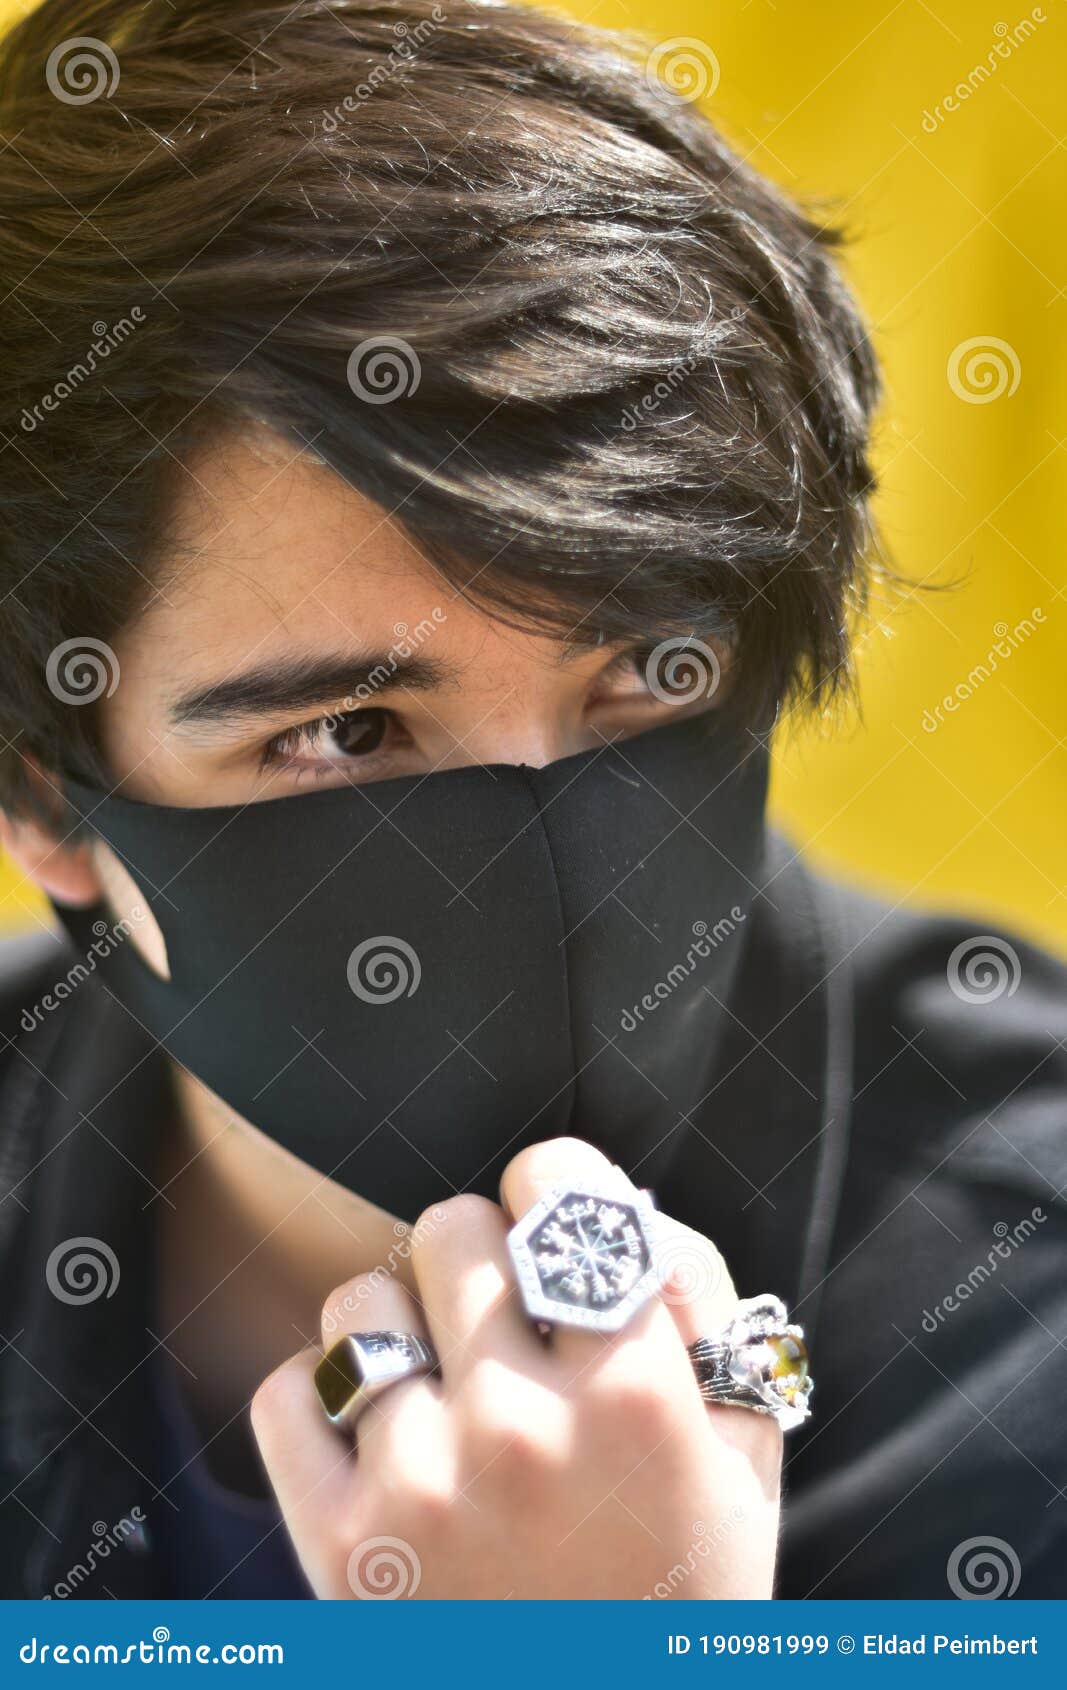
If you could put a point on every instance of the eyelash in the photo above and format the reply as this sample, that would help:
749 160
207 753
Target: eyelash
282 747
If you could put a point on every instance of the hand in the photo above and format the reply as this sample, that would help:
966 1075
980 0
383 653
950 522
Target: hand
581 1466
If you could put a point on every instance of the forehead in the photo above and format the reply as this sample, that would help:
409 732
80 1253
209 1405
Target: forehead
268 551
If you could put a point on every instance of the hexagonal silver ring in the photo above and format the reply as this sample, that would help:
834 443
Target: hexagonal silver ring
583 1255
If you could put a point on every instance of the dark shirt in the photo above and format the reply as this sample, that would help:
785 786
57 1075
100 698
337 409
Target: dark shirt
215 1542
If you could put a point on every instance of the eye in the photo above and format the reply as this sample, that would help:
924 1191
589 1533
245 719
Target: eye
355 734
625 678
329 741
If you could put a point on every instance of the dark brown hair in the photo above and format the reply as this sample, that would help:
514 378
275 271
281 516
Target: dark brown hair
643 391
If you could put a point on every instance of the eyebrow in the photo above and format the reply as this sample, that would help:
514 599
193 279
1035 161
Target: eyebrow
302 684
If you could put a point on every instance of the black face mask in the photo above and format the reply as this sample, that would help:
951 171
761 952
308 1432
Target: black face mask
406 982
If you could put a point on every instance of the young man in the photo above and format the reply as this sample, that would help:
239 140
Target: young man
432 459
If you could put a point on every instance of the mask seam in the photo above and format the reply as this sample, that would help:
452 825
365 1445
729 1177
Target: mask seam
529 777
836 1111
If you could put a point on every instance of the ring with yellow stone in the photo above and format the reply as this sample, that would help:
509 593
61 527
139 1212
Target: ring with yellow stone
760 1361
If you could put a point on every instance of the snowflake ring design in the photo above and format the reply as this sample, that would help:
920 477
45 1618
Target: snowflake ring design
584 1257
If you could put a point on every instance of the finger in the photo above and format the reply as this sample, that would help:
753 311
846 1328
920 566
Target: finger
468 1290
695 1282
309 1467
405 1446
370 1302
699 1293
375 1302
571 1162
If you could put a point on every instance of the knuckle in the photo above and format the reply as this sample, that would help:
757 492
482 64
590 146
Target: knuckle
499 1435
279 1390
432 1503
412 1481
464 1210
633 1401
509 1458
556 1159
509 1436
343 1302
467 1207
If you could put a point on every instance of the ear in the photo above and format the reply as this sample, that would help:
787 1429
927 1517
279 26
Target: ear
63 868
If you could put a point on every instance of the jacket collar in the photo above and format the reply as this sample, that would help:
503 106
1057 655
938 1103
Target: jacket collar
86 1098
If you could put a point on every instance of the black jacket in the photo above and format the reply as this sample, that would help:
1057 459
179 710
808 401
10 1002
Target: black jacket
886 1155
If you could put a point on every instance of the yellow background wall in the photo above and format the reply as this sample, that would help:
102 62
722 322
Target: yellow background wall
959 234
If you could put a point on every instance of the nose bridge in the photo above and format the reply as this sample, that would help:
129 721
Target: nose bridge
528 740
531 718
